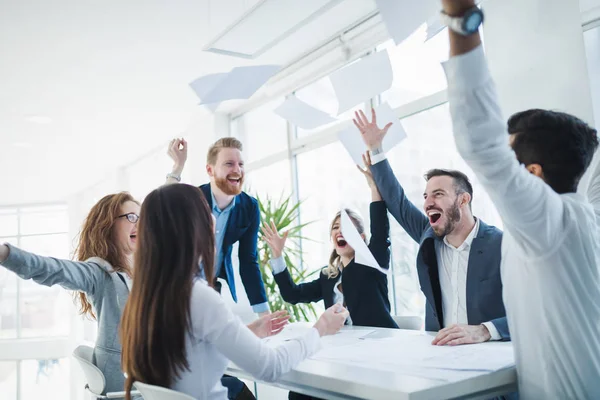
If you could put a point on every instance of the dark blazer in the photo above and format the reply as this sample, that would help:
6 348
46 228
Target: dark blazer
365 288
484 285
242 226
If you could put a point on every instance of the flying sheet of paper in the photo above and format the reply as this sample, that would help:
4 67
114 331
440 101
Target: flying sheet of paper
362 254
239 83
301 114
362 80
352 140
403 17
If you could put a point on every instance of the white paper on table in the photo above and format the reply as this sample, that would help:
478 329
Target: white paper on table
403 17
239 83
362 254
302 114
413 354
362 80
353 142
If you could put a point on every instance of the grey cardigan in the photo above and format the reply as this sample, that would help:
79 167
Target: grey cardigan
105 289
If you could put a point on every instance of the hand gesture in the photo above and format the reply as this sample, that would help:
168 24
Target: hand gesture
269 324
372 135
274 240
366 171
178 152
332 320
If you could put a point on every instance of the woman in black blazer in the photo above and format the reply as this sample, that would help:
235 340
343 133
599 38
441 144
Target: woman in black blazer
362 289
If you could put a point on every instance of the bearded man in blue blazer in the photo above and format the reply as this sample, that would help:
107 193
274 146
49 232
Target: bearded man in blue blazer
458 261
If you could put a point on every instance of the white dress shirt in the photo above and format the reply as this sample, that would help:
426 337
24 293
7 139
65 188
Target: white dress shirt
218 336
550 248
453 264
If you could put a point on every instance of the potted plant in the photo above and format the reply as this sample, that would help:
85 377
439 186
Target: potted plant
284 214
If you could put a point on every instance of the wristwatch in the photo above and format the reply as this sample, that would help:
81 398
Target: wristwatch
466 25
172 175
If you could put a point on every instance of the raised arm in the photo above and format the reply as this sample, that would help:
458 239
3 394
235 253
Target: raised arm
177 151
214 322
380 234
531 211
290 291
249 269
49 271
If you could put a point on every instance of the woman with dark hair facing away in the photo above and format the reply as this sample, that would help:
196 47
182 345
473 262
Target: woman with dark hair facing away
177 331
100 278
364 290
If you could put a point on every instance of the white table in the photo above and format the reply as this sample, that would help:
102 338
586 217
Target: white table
332 380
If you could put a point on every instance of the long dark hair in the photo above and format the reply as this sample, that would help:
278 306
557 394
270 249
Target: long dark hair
175 231
96 239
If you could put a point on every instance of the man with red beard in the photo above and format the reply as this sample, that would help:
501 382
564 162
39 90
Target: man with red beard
237 219
458 261
236 213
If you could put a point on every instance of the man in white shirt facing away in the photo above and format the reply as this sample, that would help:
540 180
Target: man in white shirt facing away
551 245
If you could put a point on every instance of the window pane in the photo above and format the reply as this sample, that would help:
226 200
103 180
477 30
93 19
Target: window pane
273 180
262 132
8 222
45 311
8 304
8 379
592 48
416 66
45 379
430 144
321 95
44 220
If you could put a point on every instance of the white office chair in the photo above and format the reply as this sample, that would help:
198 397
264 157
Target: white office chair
151 392
413 323
94 377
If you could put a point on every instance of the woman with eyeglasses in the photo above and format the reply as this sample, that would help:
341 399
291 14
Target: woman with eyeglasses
100 279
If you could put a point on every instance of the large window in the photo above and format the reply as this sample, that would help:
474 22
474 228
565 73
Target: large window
31 311
592 47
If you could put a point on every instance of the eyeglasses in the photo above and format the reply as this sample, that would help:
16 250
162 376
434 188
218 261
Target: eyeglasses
131 217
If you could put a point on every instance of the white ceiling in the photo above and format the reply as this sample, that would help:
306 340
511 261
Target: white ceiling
90 85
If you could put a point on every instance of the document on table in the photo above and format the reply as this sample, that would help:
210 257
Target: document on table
353 142
413 354
362 254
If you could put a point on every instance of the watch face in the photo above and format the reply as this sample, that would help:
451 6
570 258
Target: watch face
472 22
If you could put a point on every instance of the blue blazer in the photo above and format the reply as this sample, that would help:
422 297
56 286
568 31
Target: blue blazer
484 285
242 227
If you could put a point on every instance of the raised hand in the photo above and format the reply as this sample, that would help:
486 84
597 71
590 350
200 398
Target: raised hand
270 324
275 241
178 152
332 320
366 170
372 135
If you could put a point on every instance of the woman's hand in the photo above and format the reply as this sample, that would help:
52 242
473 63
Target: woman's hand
270 324
366 171
275 241
332 320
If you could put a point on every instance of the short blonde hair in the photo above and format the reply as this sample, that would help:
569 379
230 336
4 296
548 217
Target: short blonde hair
333 268
223 143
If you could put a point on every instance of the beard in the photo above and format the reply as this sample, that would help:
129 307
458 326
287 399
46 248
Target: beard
228 188
453 214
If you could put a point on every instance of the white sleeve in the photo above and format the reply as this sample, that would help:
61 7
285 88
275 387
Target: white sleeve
593 190
531 211
214 322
